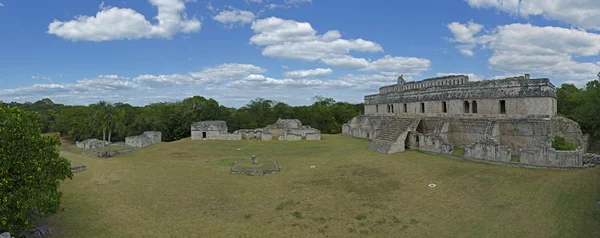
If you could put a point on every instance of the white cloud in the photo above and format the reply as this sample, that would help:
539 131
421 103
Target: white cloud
36 77
399 65
298 40
107 82
345 61
1 5
234 16
472 77
319 72
465 34
548 51
207 77
580 13
286 3
113 23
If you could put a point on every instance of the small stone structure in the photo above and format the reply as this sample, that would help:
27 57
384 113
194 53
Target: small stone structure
90 144
282 129
77 167
212 130
146 139
509 121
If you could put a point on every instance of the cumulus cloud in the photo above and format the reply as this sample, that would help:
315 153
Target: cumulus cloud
398 65
319 72
580 13
465 34
524 48
298 40
234 16
113 23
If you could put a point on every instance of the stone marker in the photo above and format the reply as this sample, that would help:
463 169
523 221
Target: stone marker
253 159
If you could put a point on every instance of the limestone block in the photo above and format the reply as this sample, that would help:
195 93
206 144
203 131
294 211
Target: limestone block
313 136
293 137
266 136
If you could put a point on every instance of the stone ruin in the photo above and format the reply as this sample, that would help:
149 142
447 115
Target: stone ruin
90 144
506 121
283 129
212 130
146 139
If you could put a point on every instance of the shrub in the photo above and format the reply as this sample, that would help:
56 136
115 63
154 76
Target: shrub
560 143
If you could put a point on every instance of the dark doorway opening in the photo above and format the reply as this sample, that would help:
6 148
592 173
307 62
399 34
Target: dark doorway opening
204 134
444 109
502 107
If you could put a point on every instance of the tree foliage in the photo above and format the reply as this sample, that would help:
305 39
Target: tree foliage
581 105
31 169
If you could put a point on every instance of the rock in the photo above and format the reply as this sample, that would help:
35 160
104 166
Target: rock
43 231
5 235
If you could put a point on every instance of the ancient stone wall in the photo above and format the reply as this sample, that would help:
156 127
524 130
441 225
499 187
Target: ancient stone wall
138 141
488 150
547 156
90 144
462 132
429 143
293 137
266 136
519 134
313 136
226 136
155 136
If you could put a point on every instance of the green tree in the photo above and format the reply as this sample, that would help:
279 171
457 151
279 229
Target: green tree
31 169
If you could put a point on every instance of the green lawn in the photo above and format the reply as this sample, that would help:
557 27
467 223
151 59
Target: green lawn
184 189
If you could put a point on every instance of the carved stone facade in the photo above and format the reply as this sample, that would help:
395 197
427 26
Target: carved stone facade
509 121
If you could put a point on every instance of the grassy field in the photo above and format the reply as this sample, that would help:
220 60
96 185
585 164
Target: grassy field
183 189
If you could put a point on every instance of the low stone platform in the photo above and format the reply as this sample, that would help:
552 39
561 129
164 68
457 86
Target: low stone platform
236 169
77 167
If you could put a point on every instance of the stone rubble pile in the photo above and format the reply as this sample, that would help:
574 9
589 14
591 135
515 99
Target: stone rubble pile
590 160
5 235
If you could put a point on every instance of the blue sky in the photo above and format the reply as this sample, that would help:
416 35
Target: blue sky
139 52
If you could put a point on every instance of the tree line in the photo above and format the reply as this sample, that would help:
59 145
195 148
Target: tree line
119 120
581 105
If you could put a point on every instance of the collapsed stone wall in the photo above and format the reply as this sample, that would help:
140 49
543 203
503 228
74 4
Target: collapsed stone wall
138 141
146 139
548 156
428 142
90 144
488 150
313 136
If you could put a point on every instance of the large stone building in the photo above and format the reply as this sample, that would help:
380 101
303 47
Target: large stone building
506 121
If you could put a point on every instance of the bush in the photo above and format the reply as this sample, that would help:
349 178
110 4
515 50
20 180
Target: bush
31 170
560 143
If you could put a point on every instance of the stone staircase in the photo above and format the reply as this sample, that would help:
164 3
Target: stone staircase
388 140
